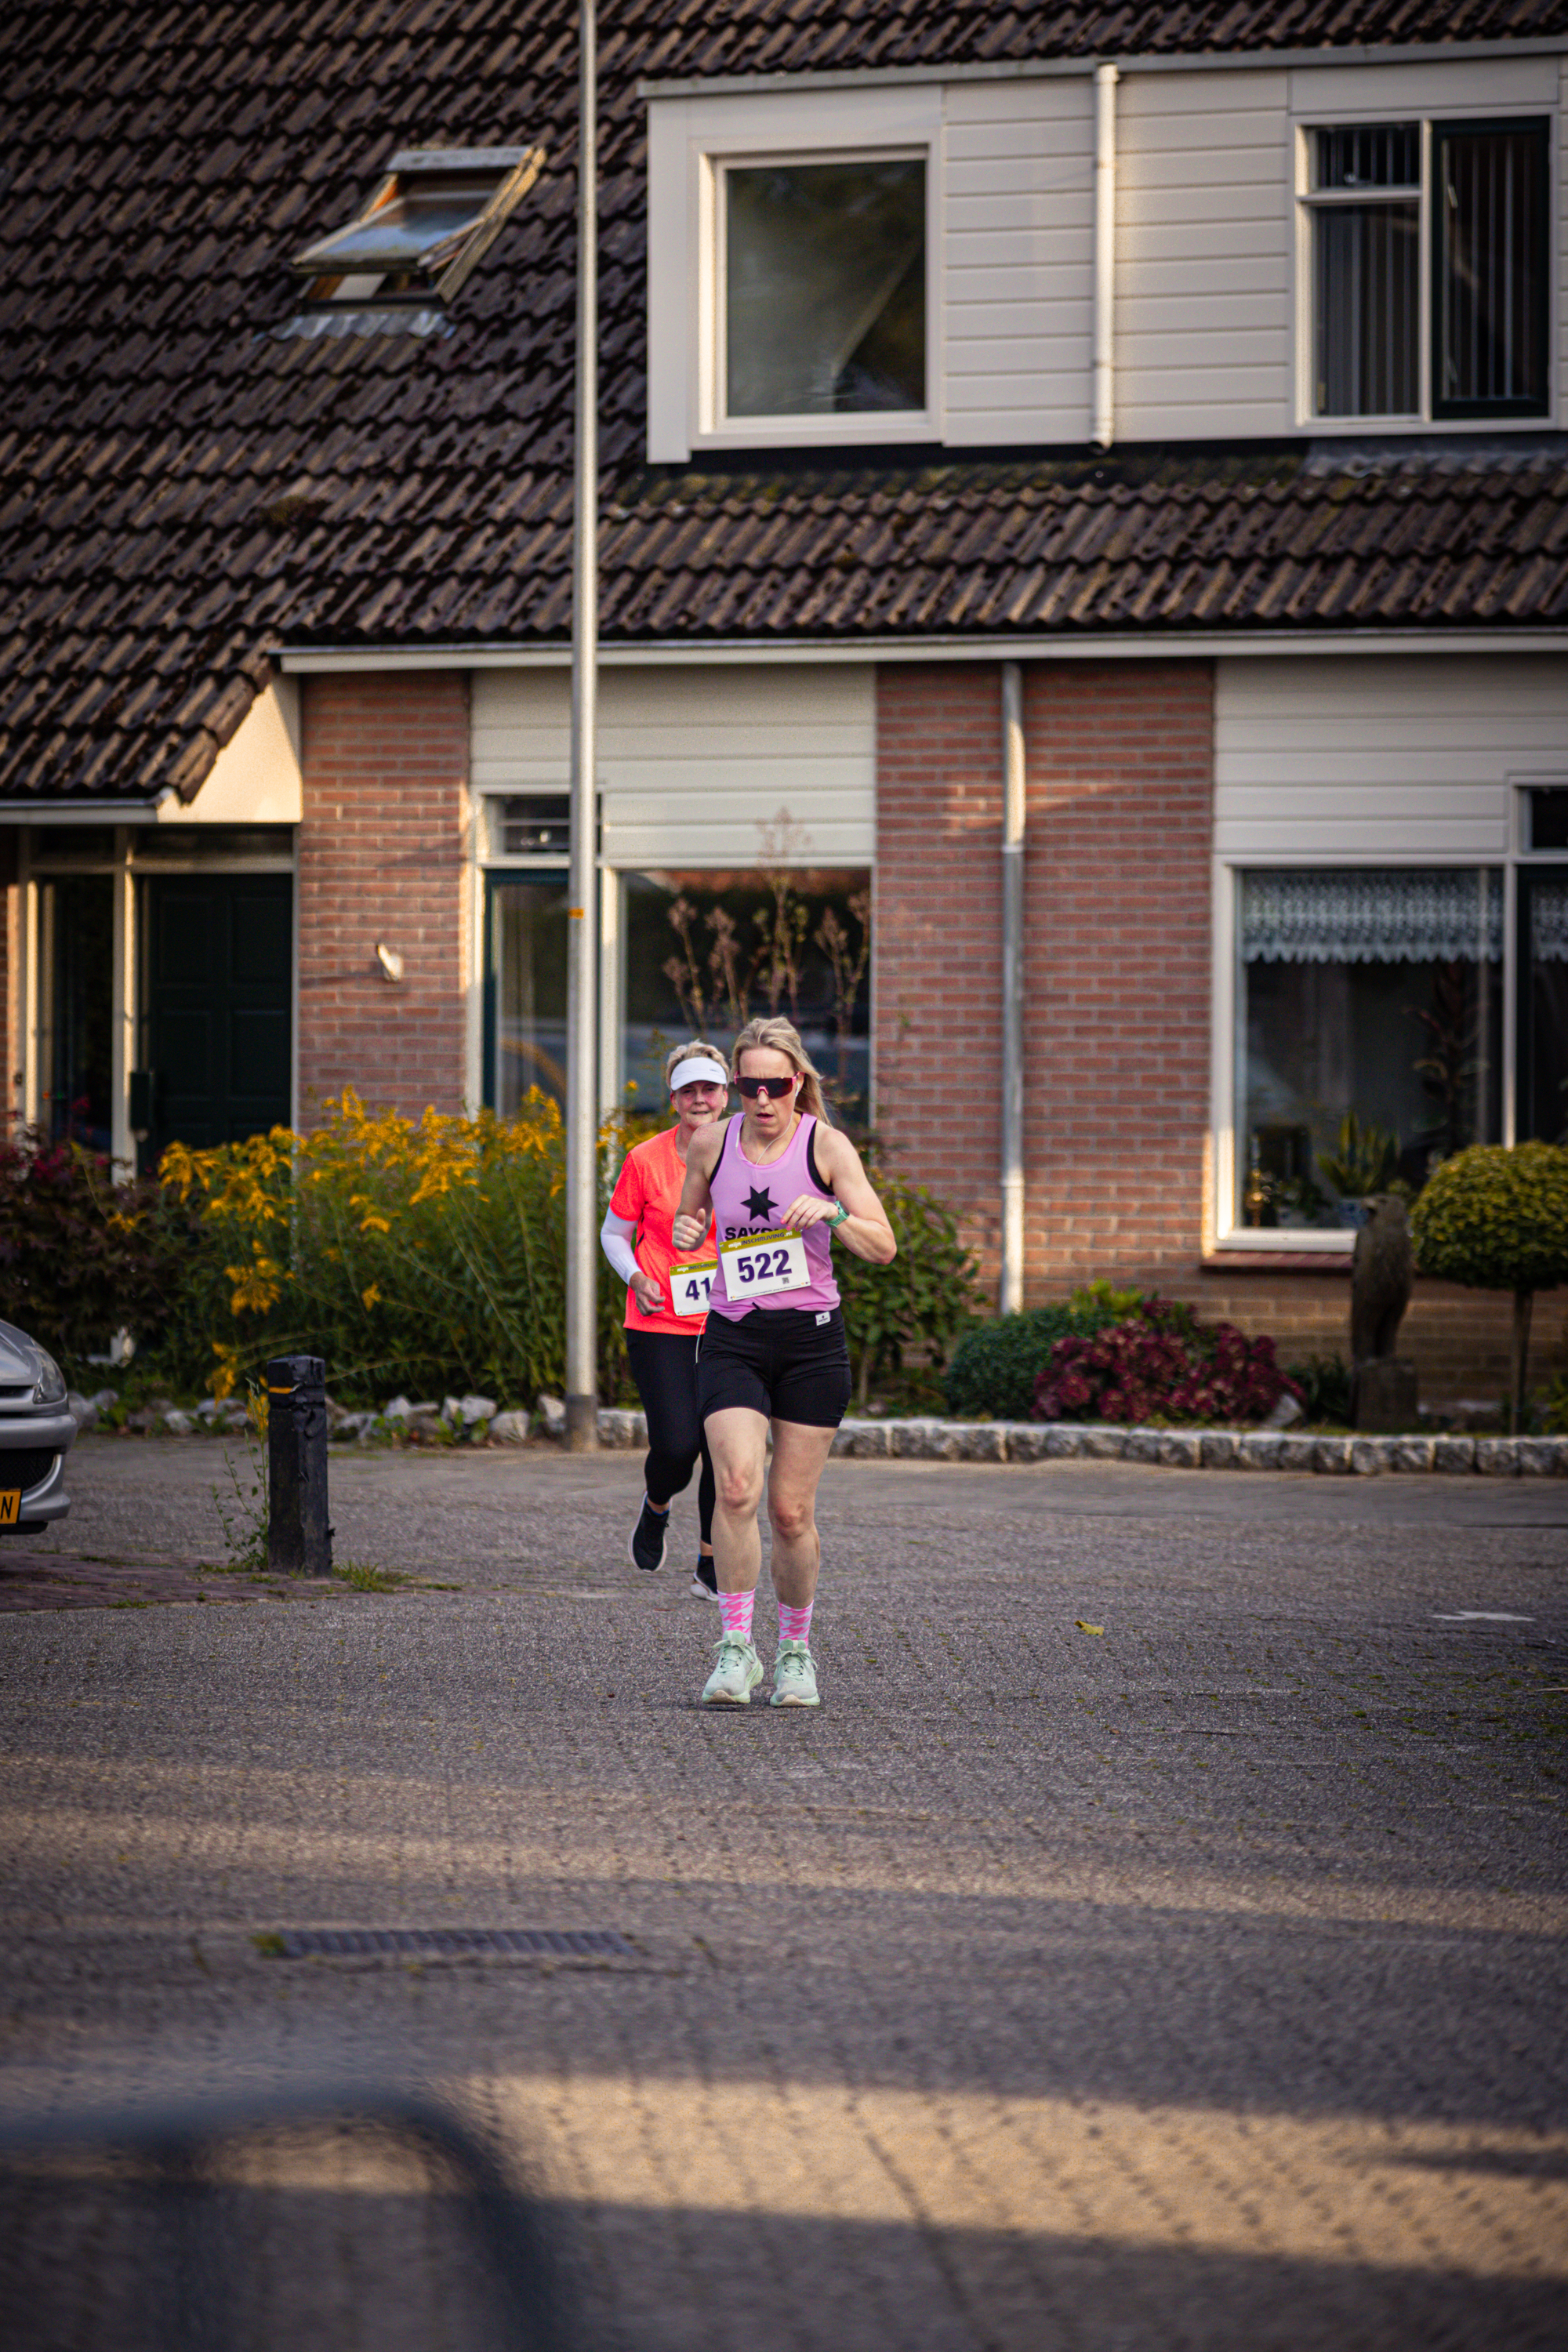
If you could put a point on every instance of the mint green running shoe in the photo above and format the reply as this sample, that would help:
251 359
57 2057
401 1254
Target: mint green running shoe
795 1677
737 1670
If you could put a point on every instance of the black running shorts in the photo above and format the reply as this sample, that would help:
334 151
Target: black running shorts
789 1364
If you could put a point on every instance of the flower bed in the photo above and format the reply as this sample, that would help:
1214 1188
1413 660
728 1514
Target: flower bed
1161 1362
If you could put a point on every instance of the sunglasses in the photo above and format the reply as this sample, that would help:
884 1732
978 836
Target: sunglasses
775 1089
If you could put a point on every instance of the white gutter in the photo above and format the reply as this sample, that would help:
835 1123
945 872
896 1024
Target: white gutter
1102 427
1014 804
726 652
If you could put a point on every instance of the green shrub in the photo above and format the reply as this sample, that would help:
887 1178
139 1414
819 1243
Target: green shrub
1324 1382
921 1300
81 1256
1496 1218
995 1365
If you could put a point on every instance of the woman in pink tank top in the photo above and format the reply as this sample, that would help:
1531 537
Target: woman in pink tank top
780 1184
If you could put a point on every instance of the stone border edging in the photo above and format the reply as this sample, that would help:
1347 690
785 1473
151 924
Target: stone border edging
1169 1449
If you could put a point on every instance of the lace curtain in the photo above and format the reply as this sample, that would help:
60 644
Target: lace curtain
1379 915
1549 919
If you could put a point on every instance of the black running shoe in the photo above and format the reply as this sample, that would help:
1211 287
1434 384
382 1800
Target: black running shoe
648 1538
703 1579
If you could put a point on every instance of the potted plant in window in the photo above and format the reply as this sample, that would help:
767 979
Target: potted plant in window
1366 1163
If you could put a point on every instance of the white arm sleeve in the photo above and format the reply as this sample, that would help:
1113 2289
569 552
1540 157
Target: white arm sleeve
616 1235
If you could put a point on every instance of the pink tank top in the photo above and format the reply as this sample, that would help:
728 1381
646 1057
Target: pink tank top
752 1199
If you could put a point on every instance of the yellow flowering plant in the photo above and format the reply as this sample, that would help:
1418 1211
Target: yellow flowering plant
423 1255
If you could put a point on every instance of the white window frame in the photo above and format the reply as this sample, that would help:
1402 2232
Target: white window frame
1221 1230
1309 201
690 142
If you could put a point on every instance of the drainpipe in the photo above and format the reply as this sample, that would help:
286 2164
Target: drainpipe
1102 431
1013 785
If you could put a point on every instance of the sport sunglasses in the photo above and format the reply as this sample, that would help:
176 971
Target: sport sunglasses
775 1089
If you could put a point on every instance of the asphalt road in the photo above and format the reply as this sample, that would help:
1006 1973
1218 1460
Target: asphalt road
1196 1981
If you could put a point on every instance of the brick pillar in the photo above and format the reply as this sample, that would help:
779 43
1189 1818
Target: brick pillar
1117 955
380 858
936 994
1121 760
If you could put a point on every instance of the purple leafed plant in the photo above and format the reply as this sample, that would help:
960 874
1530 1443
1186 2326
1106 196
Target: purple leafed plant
1162 1364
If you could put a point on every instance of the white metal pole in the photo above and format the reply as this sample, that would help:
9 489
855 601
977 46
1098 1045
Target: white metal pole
1012 808
582 928
1102 430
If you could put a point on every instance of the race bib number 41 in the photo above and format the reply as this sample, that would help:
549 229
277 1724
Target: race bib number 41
691 1286
762 1264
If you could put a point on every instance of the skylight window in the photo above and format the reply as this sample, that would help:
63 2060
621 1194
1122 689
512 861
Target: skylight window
435 212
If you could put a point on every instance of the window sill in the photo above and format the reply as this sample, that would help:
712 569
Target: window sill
1277 1261
899 426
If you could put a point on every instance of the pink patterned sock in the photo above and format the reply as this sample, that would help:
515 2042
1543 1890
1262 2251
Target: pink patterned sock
794 1624
735 1608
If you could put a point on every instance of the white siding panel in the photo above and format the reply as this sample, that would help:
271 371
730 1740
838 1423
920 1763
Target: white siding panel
1404 758
1203 185
1018 259
1453 86
694 764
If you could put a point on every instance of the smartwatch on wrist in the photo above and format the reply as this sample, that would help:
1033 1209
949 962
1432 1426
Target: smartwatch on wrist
838 1217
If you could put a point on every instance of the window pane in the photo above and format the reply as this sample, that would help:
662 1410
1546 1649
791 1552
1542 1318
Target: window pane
825 285
1546 1046
707 951
1491 280
1367 155
528 984
527 824
404 228
1371 993
1367 276
1548 816
76 920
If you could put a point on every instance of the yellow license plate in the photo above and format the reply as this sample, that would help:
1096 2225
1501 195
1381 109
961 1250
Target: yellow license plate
10 1506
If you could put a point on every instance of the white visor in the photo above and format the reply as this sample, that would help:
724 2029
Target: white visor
696 1067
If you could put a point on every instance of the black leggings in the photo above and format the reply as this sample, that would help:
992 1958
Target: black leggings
664 1366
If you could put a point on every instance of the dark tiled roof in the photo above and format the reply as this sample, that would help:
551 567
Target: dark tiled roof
181 489
1176 541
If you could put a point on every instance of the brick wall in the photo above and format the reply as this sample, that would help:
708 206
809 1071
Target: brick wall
380 858
1458 1339
1117 954
936 997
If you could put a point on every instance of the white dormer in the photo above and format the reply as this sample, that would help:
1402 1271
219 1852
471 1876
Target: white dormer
1298 249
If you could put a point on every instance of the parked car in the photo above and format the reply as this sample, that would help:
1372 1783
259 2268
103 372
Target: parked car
37 1432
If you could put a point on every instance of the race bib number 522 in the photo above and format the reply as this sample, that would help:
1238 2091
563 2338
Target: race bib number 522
691 1285
762 1264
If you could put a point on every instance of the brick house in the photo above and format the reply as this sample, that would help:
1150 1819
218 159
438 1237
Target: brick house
1204 376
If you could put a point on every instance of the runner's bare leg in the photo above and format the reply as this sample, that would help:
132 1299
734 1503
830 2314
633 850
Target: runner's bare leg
800 1455
738 1444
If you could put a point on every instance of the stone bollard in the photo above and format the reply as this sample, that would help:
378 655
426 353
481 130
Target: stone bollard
1386 1395
299 1540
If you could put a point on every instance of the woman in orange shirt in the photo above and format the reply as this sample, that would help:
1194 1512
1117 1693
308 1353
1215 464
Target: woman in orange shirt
661 1345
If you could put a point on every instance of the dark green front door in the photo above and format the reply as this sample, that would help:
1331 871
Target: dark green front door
215 1031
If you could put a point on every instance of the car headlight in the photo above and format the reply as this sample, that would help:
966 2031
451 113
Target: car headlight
51 1382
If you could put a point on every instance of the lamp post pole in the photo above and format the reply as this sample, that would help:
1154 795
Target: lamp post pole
582 927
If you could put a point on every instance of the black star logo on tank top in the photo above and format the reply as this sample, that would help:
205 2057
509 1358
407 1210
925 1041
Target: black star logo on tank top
759 1205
